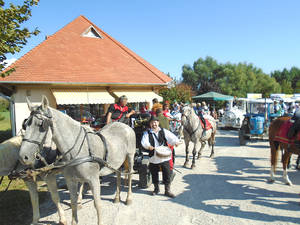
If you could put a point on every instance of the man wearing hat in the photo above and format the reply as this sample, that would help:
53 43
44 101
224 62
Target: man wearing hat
119 112
154 138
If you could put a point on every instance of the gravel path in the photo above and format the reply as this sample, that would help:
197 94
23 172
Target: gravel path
229 189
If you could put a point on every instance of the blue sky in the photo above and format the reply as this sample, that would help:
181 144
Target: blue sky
171 33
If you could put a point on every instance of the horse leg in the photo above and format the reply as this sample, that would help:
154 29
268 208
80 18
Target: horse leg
286 157
187 142
73 187
117 197
80 195
95 187
212 143
201 149
212 153
34 198
297 163
196 146
130 160
52 187
274 154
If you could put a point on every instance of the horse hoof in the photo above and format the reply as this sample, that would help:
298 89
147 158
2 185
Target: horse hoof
212 155
117 200
128 202
62 223
193 166
199 156
271 181
185 165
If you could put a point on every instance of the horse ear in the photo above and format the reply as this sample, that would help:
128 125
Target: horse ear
29 104
45 103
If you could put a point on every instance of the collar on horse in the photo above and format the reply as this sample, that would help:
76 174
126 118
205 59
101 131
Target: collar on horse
47 123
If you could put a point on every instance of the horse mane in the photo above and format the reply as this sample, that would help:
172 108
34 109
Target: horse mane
67 117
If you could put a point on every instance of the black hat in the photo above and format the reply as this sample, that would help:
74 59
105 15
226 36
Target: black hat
153 118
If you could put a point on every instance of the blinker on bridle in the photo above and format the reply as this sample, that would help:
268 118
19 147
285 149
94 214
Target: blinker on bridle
46 122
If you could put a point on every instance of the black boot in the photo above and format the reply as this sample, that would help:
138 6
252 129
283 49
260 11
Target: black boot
168 191
156 189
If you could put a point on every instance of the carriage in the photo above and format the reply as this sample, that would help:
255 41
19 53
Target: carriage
234 115
259 114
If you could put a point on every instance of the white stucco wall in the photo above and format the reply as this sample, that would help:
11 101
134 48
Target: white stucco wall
35 96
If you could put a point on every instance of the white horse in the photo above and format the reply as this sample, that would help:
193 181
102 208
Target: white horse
9 156
114 145
193 132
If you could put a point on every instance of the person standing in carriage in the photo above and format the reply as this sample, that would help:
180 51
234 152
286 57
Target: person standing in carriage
154 140
119 112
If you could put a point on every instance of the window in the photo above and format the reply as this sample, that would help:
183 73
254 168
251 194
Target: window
91 32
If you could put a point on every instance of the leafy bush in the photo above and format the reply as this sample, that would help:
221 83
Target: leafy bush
4 105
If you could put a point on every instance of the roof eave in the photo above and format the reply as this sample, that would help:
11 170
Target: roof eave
81 83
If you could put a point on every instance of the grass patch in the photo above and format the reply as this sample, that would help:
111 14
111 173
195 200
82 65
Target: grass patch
5 127
15 205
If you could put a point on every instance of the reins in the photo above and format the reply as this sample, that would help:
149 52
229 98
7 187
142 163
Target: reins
193 131
10 180
58 163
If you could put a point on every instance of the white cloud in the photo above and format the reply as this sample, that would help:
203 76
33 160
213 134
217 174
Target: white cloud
10 61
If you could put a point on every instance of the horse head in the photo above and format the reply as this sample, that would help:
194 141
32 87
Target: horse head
37 132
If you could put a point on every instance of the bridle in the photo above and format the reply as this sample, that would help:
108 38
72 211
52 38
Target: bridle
46 123
191 133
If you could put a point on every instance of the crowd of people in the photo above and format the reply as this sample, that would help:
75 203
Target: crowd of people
282 108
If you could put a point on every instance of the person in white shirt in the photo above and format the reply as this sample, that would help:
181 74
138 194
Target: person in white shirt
153 138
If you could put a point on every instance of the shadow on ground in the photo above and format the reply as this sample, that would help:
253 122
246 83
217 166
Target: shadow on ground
225 185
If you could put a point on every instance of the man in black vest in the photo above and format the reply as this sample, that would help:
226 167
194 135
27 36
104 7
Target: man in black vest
153 138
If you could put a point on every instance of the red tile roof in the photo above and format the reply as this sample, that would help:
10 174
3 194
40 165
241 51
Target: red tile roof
68 57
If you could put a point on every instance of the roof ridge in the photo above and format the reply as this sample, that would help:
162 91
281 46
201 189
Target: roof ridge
123 47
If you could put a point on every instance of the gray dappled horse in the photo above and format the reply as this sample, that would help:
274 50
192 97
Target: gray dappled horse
192 131
9 156
75 142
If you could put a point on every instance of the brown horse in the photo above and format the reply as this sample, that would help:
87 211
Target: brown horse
288 149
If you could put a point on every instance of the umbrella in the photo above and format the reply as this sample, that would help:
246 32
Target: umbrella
213 96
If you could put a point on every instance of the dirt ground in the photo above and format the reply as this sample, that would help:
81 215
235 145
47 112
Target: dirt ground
231 188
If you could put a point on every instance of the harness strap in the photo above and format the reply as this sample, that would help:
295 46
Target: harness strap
194 131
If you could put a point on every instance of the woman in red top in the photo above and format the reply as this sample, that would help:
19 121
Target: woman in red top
119 112
166 111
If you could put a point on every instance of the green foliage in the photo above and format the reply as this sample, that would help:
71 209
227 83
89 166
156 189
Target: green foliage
231 79
4 105
12 36
288 79
180 92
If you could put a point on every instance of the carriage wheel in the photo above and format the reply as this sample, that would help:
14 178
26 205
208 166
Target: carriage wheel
144 174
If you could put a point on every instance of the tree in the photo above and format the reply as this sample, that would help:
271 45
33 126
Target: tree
288 79
231 79
202 77
180 92
12 36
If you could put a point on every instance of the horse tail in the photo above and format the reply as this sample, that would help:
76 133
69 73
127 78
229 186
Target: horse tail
274 145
